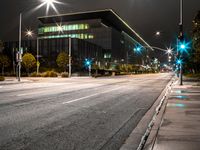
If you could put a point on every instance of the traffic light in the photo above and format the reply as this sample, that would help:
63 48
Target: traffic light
179 61
183 46
138 49
88 62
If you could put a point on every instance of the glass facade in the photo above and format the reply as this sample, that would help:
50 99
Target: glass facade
117 46
100 36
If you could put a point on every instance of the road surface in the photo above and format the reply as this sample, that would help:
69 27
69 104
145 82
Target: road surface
77 113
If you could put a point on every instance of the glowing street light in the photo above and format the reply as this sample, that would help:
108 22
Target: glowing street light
158 33
50 3
169 50
29 33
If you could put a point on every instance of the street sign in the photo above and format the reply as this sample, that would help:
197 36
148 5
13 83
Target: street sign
18 57
21 50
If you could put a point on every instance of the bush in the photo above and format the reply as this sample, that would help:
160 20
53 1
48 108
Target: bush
2 78
64 75
49 74
34 74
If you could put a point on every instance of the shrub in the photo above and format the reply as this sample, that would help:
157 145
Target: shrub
34 74
2 78
28 61
62 60
49 74
64 75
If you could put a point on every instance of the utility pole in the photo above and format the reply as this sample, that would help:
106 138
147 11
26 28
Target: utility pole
38 64
181 38
70 59
20 49
90 69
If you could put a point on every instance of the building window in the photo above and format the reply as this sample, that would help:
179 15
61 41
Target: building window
107 55
72 27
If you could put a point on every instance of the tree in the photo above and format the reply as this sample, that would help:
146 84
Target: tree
4 62
62 60
196 41
28 61
96 68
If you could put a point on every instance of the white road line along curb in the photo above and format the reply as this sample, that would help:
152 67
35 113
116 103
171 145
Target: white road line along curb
158 108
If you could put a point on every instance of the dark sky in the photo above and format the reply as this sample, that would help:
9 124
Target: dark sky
144 16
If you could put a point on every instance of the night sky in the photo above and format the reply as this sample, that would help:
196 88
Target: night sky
144 16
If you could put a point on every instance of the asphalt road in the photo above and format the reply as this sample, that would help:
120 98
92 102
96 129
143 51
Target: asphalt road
77 113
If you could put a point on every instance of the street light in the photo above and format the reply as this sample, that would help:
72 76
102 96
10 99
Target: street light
180 50
48 3
169 50
29 33
158 33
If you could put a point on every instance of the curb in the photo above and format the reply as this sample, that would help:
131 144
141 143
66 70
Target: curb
144 127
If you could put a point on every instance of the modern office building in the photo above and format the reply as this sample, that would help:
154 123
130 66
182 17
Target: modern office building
103 28
101 36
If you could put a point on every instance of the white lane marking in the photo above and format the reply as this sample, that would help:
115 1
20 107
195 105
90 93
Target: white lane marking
75 100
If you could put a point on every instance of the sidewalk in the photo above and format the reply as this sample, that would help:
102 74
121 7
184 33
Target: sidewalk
178 124
13 80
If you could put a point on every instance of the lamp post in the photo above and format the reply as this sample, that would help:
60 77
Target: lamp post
19 53
70 59
38 63
181 40
48 3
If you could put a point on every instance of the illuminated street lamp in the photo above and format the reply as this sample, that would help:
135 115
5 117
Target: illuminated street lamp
48 3
169 50
29 33
158 33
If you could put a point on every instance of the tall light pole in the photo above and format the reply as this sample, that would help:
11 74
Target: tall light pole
37 57
19 54
70 58
48 3
181 40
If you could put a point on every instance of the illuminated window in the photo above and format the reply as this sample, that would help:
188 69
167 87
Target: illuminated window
90 36
107 55
64 28
80 36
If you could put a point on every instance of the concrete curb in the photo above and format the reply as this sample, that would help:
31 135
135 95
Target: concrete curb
149 144
142 131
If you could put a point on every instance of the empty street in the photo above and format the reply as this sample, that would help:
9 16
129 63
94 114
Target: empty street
77 113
